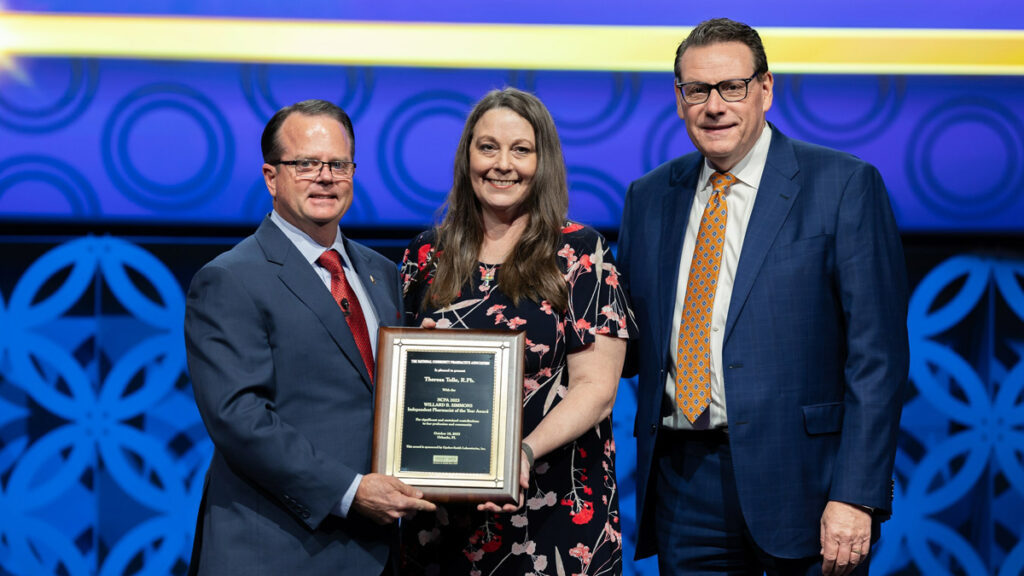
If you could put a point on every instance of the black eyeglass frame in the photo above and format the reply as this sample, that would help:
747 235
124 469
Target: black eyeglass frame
349 167
717 88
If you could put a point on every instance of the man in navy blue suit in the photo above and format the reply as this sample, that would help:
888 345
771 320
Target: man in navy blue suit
769 284
279 333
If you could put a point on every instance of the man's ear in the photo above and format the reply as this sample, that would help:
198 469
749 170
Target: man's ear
680 105
767 83
270 178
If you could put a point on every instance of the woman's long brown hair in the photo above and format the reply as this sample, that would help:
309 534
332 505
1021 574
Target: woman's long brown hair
531 270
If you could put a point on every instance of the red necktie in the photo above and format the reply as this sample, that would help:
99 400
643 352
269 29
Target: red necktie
349 305
693 356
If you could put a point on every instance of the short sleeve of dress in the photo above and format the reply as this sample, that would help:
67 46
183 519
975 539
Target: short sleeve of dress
598 304
417 270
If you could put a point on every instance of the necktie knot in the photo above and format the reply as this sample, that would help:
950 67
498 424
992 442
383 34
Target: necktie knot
721 182
331 260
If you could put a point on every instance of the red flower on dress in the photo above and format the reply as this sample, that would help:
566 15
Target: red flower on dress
516 322
585 514
582 552
492 545
572 227
582 325
609 448
421 256
586 263
568 253
612 279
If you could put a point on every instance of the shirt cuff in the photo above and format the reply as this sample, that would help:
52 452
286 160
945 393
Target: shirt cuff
342 508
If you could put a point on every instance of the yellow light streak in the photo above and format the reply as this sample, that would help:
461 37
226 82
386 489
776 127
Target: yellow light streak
532 47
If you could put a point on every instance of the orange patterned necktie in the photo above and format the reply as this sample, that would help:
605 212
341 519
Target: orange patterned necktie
349 304
693 357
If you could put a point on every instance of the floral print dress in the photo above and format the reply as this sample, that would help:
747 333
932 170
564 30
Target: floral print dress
570 523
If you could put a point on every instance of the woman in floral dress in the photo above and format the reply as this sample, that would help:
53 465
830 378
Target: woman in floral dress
506 257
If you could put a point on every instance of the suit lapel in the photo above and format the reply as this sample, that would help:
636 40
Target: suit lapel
775 196
375 281
675 208
300 278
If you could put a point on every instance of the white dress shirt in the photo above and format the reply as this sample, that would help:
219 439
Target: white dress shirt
740 202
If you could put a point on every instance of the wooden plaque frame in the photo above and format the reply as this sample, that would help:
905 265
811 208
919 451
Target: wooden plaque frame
443 366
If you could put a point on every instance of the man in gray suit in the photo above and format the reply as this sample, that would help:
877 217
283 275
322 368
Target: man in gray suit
279 333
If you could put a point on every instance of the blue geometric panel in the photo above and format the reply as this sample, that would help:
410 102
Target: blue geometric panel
960 468
102 452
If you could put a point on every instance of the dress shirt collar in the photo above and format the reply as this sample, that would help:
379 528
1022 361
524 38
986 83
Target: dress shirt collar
750 168
308 247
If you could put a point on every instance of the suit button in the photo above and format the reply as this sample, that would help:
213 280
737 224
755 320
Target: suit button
654 428
305 513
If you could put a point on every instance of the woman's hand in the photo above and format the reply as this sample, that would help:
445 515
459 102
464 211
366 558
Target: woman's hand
428 323
524 483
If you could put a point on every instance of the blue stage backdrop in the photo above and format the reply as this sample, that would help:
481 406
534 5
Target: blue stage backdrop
121 176
159 143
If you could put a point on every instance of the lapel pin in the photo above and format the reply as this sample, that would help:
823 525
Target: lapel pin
372 279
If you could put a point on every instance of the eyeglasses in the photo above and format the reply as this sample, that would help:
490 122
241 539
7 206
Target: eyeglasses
309 168
730 90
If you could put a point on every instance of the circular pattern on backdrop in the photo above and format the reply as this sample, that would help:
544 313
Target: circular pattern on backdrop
258 203
615 98
665 139
948 149
160 132
428 126
595 197
838 116
33 175
264 85
31 107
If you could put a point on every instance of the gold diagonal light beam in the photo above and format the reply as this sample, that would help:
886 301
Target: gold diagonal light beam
517 46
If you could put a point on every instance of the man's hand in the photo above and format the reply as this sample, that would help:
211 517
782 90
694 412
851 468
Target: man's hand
845 538
385 499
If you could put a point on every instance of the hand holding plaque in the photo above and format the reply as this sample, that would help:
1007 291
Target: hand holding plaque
448 412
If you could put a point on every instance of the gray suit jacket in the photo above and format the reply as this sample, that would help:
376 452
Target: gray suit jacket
288 403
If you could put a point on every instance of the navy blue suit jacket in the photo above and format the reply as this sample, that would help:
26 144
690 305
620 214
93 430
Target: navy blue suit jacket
288 402
815 352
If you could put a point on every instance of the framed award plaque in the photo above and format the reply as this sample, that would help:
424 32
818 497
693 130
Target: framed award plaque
448 412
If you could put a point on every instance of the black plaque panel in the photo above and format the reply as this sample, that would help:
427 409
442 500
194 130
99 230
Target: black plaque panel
447 422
